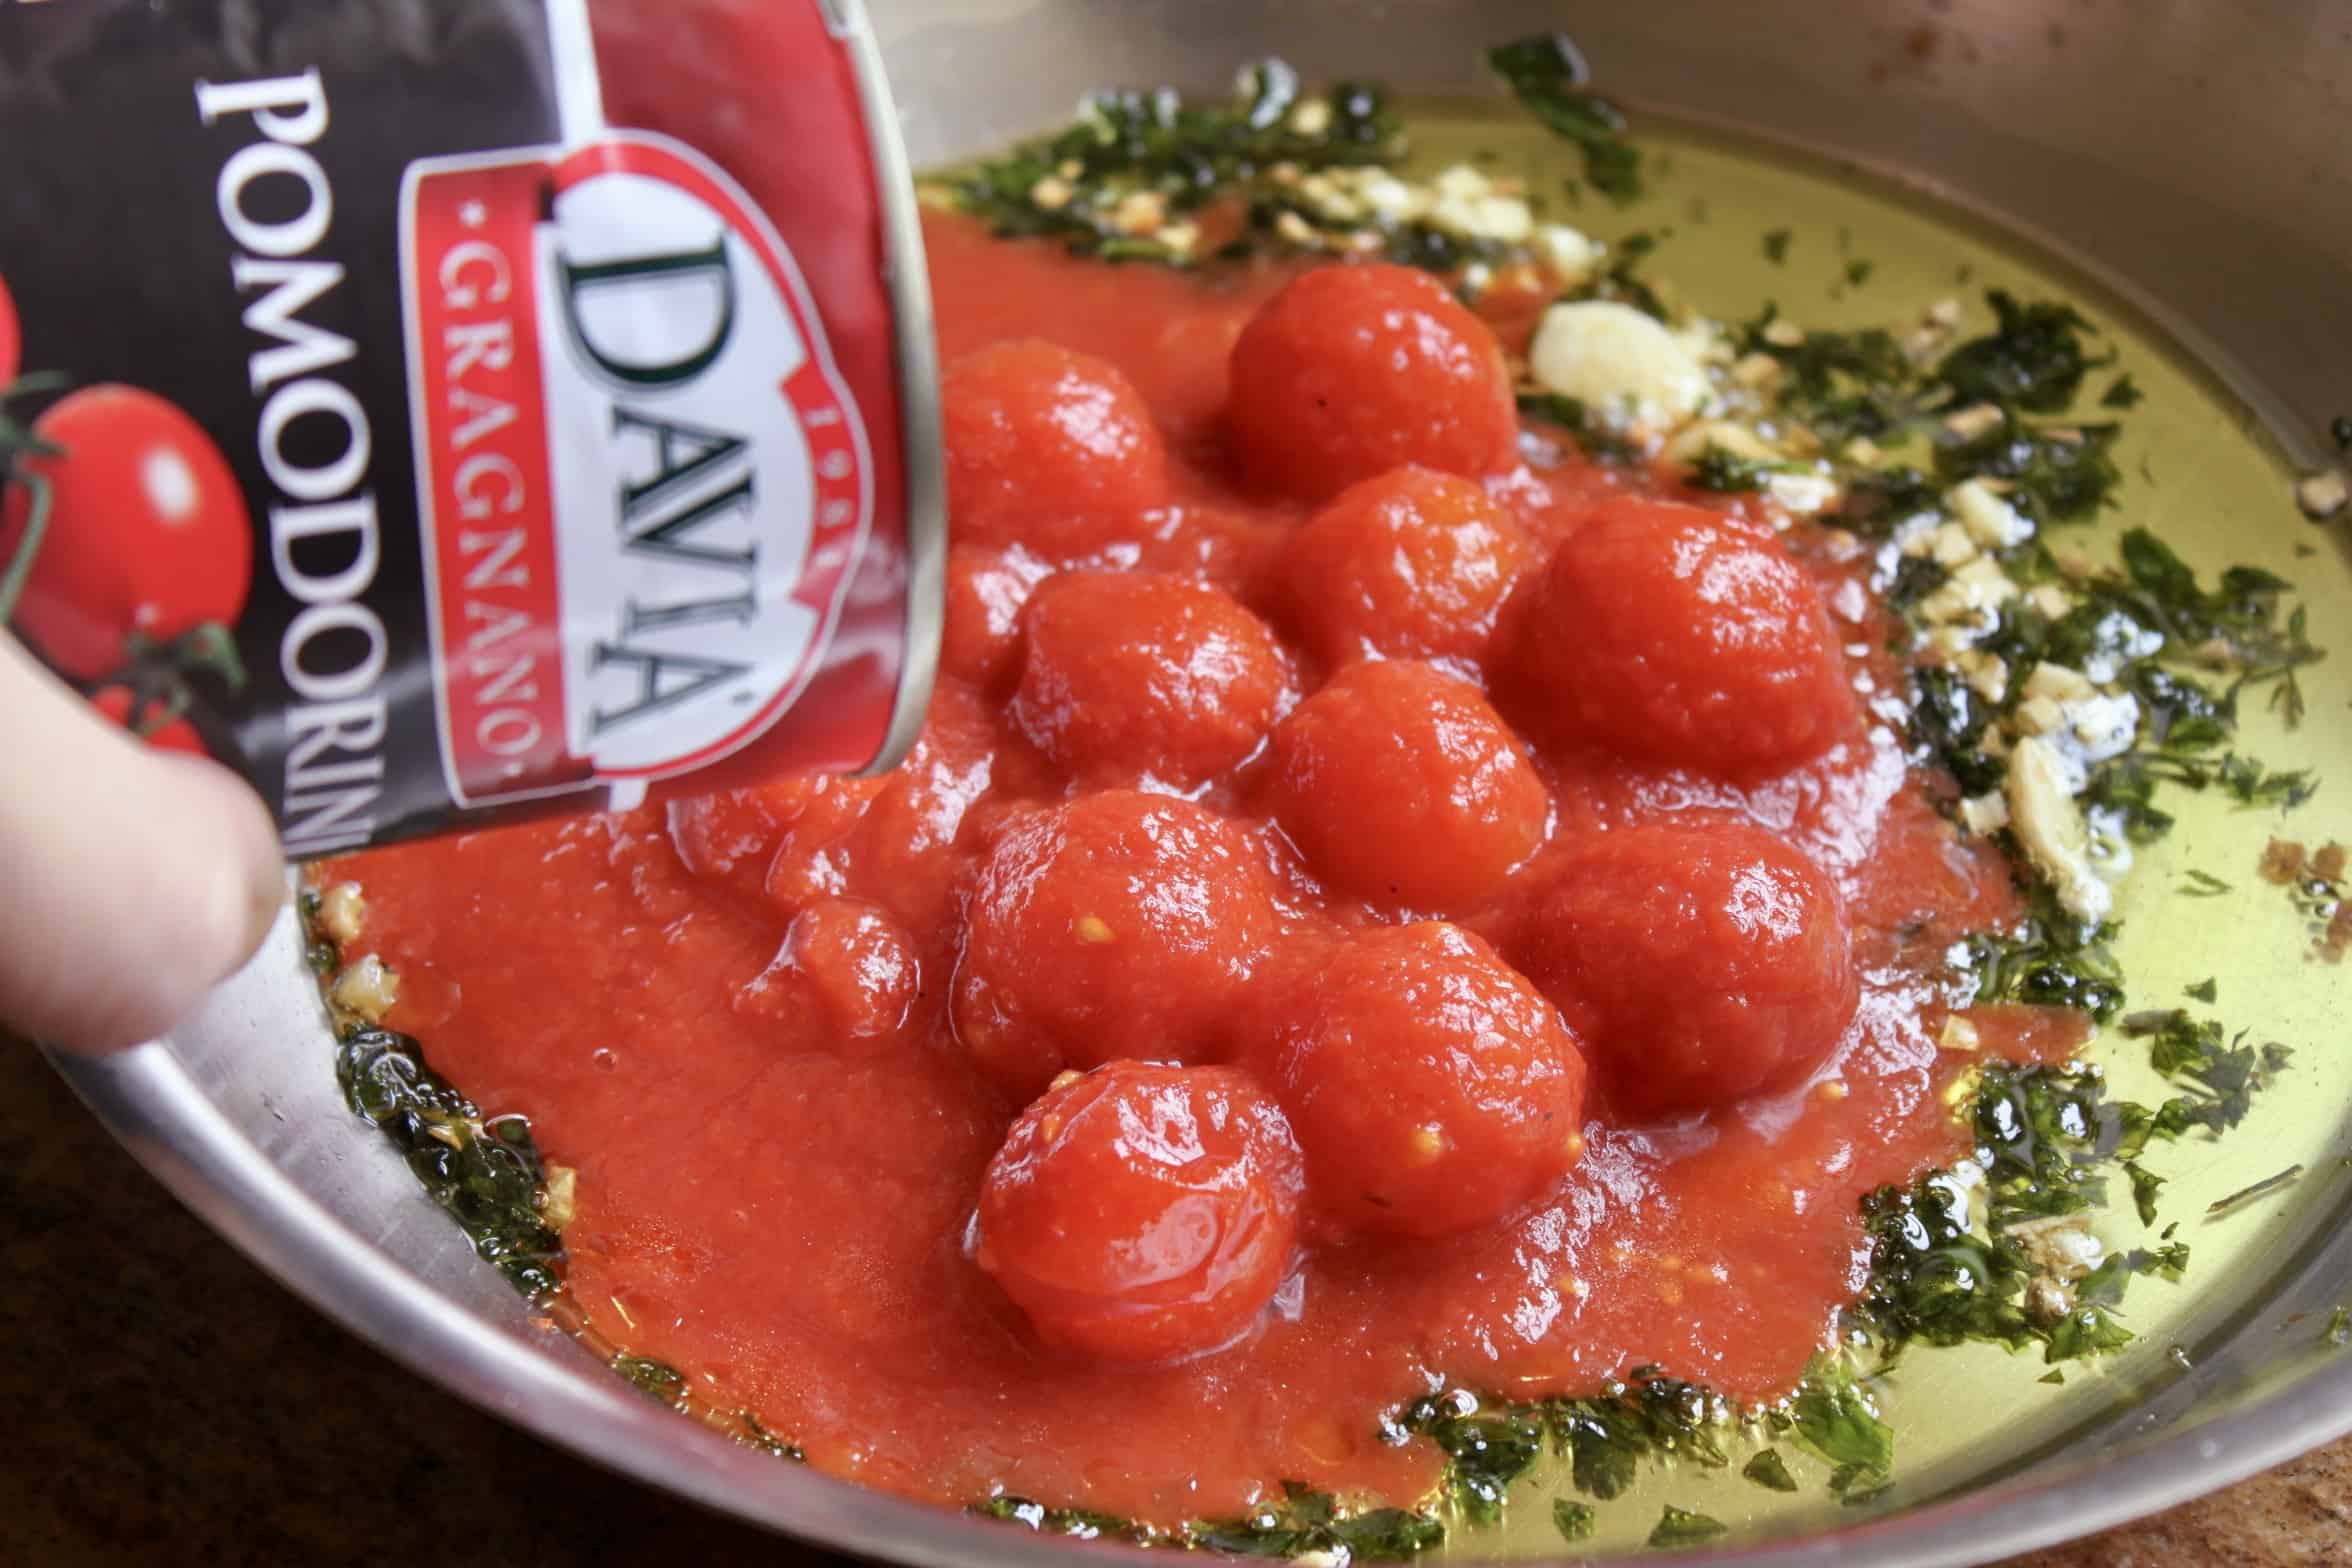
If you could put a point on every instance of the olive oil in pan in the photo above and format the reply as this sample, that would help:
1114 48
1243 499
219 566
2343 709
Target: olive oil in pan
1737 228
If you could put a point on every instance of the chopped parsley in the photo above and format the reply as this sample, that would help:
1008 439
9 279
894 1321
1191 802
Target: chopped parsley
1138 160
1724 472
1679 1527
1858 272
1574 1520
1548 76
1776 244
2125 393
1302 1520
1768 1470
2261 1189
1833 1418
2033 359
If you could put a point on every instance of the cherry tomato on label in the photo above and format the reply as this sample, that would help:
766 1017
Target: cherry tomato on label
147 534
1142 1212
11 339
118 704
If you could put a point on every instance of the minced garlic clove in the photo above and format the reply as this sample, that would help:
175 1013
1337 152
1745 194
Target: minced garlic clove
1618 362
2052 829
342 913
1988 516
367 988
563 1197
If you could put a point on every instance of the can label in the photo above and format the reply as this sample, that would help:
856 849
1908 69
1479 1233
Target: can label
456 436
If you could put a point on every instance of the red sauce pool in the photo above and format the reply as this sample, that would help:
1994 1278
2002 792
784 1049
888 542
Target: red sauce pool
780 1152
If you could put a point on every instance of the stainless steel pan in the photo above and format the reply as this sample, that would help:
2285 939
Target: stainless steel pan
2190 151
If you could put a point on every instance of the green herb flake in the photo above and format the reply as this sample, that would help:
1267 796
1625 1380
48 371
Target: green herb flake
1548 76
2125 393
2056 1377
1835 1419
1769 1471
488 1178
2339 1328
1130 143
1680 1527
1724 473
2032 360
1574 1520
1776 244
1306 1520
657 1381
1858 272
2053 474
2261 1189
2202 884
2206 991
2145 1185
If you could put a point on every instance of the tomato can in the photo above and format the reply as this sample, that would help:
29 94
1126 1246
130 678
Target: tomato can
445 412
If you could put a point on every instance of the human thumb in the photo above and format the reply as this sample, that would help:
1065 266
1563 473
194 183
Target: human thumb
131 879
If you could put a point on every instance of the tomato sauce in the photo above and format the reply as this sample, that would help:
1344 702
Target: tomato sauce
1161 812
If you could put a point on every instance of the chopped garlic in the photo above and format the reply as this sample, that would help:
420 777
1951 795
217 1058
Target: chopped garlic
367 988
1469 204
2322 495
1989 518
563 1197
1618 362
1566 252
1949 544
1803 494
2059 683
343 912
1987 676
2042 808
1974 592
2040 716
1959 1036
1388 197
1693 441
1986 813
1140 212
1311 117
1969 423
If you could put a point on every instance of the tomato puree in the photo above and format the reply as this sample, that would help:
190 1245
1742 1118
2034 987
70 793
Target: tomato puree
1513 871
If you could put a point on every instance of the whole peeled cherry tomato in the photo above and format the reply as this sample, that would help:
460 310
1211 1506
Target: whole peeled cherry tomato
1354 370
1700 961
1432 1088
1673 635
1143 1212
147 533
11 340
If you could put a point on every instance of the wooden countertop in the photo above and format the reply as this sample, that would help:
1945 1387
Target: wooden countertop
169 1402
